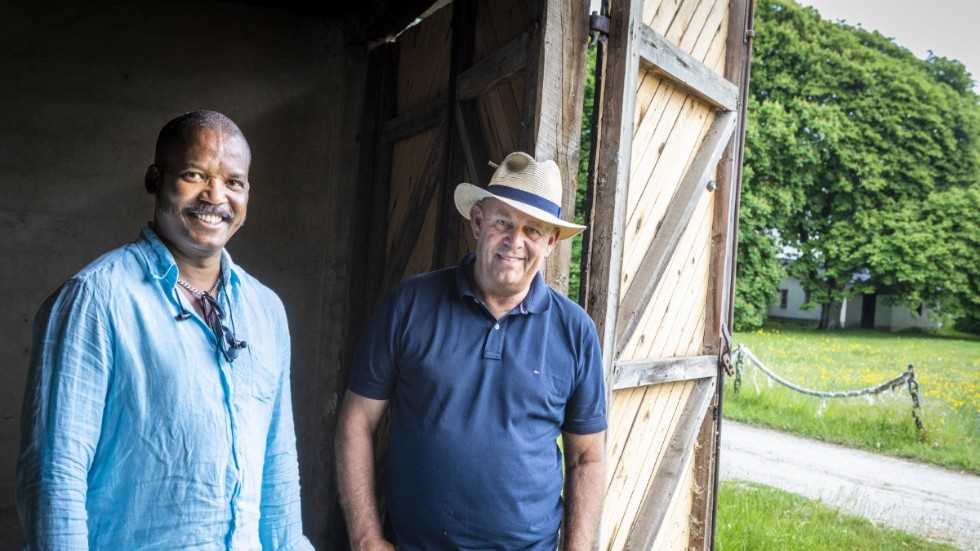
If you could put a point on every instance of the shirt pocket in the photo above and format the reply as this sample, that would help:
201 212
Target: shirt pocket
264 375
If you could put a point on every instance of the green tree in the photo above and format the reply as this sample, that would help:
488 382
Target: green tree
861 160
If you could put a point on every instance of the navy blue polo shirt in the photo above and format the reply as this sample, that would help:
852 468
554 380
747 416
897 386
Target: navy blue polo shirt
476 407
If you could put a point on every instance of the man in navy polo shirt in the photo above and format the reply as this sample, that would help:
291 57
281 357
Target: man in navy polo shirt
484 366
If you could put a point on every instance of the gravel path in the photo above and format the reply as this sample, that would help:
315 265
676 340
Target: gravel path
932 502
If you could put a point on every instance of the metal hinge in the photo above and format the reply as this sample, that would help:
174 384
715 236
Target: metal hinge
598 24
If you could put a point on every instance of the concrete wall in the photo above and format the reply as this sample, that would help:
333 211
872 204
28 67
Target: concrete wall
86 87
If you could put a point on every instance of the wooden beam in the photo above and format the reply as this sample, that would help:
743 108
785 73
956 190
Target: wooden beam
679 213
654 371
381 20
447 237
705 457
414 122
554 86
738 55
612 146
489 72
676 64
664 483
724 225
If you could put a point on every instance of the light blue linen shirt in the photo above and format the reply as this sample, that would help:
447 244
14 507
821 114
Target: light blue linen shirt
138 434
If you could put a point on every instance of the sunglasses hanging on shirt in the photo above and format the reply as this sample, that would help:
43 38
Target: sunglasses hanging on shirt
214 316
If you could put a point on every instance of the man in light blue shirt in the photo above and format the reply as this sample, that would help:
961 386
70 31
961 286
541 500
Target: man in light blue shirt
158 412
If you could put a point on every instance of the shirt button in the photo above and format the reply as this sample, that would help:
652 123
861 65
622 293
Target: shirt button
496 326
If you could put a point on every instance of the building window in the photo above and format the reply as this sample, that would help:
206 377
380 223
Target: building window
783 299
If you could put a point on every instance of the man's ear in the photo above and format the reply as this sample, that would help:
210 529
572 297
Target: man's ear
553 241
476 219
152 180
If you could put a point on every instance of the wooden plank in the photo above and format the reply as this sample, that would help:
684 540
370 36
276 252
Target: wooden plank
682 146
675 30
688 305
738 52
613 144
659 14
712 33
490 72
725 222
416 210
673 225
650 446
424 63
683 136
676 295
672 298
413 122
701 519
664 483
675 530
654 371
648 435
687 71
554 87
622 414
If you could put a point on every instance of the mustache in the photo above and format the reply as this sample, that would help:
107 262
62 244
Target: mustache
206 210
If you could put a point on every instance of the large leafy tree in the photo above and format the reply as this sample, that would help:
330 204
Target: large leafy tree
861 165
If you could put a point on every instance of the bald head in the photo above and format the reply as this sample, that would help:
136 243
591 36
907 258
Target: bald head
174 133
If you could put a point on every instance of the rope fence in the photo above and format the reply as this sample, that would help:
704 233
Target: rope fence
741 352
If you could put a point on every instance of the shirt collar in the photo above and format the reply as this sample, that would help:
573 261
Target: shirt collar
160 263
535 301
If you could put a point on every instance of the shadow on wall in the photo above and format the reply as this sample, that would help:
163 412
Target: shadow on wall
86 91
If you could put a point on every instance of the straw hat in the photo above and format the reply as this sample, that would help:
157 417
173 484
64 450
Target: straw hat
529 186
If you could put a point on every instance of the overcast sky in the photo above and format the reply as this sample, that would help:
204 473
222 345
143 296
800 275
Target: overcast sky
947 27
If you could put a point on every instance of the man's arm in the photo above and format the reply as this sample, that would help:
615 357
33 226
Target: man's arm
61 419
585 479
281 520
359 419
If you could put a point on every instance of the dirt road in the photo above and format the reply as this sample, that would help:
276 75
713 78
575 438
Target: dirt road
935 503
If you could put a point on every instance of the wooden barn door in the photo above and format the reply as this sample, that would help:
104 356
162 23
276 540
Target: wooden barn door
659 261
469 83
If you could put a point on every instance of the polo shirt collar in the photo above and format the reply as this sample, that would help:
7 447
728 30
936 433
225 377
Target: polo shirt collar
537 296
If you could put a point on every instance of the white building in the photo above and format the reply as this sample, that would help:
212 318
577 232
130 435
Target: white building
866 311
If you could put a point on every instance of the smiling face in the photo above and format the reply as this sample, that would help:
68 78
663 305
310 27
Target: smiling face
201 187
510 247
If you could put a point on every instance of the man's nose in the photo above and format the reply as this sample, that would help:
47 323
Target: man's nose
514 238
214 192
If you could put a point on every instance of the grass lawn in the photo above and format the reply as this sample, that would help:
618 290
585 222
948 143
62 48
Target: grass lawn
947 370
759 518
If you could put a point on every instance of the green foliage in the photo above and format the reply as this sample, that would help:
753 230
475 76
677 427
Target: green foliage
574 277
753 516
947 371
864 160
